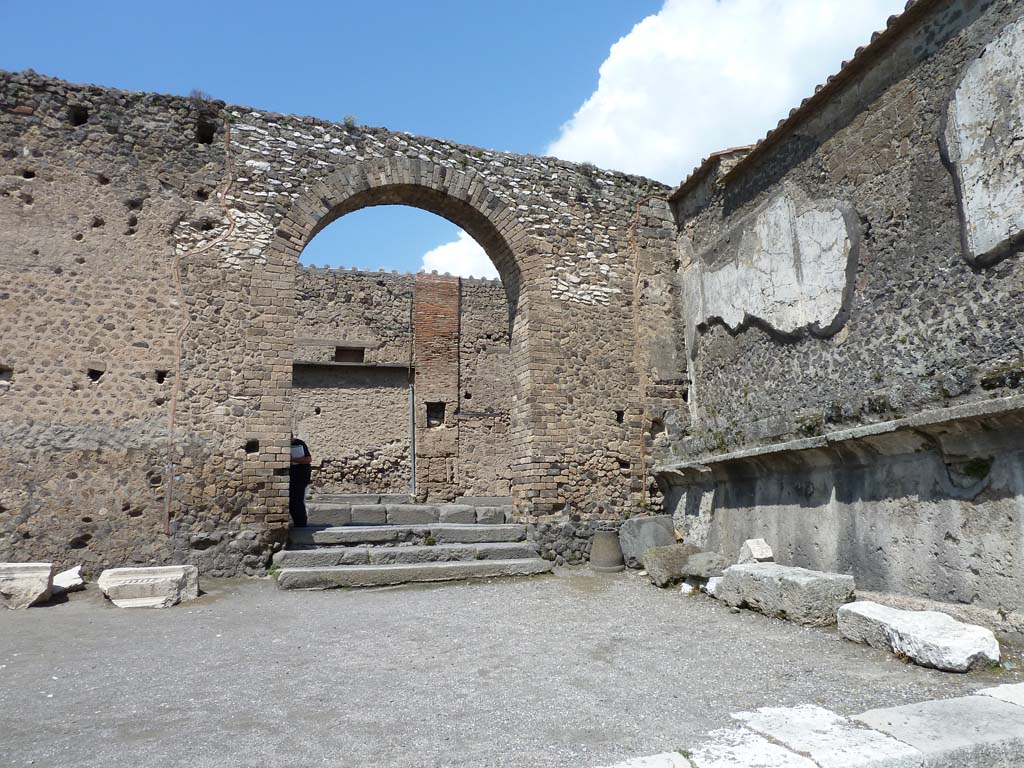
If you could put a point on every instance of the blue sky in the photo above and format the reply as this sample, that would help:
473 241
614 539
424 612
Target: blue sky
645 86
502 74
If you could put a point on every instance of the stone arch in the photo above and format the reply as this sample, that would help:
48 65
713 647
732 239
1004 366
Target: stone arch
460 196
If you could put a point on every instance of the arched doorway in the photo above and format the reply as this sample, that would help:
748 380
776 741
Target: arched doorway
463 199
400 381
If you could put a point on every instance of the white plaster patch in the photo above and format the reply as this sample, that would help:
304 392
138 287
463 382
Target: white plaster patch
984 142
787 265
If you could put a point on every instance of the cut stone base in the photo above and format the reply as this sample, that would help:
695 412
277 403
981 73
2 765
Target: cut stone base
159 587
667 565
638 534
25 584
928 638
806 597
755 551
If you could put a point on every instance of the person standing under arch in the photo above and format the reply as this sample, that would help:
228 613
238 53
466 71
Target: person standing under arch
300 473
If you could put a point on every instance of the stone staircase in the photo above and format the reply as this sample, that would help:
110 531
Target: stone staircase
361 540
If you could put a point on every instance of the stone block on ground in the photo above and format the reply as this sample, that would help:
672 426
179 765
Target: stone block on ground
156 587
741 748
756 551
711 587
68 581
25 584
829 739
457 513
667 565
638 534
928 638
491 515
806 597
705 565
369 514
1010 693
411 514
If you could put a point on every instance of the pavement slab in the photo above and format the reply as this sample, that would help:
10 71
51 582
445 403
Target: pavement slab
969 727
829 740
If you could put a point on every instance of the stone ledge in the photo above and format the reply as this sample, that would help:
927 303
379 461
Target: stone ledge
700 467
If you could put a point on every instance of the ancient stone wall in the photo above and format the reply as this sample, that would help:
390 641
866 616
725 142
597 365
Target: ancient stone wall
355 421
131 219
485 390
355 416
858 273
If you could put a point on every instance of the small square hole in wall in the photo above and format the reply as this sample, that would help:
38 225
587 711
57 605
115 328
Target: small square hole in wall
349 355
620 416
435 414
252 446
161 376
317 410
77 114
6 374
95 374
206 129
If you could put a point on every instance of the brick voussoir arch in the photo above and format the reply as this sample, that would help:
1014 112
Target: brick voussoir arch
461 196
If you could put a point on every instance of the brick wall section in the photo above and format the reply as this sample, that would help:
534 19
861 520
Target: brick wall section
435 320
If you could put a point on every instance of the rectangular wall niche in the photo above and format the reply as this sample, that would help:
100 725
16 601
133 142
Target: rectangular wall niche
349 354
435 414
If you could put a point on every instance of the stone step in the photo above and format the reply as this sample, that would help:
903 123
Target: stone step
334 513
364 498
322 557
439 533
381 575
485 501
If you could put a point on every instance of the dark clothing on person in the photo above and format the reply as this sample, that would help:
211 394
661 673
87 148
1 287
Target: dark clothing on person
299 476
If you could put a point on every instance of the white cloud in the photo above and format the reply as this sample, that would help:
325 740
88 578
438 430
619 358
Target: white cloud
461 257
706 75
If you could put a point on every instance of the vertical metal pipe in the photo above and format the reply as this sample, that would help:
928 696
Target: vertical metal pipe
412 439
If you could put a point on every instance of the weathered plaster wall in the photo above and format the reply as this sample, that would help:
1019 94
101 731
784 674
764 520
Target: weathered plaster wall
926 317
371 308
205 209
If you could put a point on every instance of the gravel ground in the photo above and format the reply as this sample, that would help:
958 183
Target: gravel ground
575 669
